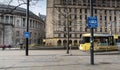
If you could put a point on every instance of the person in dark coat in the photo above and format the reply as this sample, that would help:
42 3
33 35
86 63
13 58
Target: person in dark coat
9 46
3 47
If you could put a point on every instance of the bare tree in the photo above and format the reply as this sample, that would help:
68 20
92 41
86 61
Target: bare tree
65 12
20 2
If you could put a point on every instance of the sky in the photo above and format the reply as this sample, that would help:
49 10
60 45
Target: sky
35 7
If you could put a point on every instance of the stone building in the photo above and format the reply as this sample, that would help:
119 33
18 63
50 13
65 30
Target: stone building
69 17
13 25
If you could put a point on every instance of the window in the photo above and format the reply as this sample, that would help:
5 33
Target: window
105 18
85 17
80 23
30 34
33 24
75 10
95 11
59 16
105 29
70 35
59 22
35 34
64 23
80 35
80 16
110 18
11 19
105 12
115 18
2 18
65 35
70 23
18 22
85 10
7 19
30 23
79 2
17 41
69 9
23 22
80 29
17 33
110 12
86 29
100 17
75 35
59 35
70 29
75 17
64 28
100 29
80 10
100 12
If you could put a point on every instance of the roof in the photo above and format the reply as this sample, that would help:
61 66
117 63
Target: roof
9 9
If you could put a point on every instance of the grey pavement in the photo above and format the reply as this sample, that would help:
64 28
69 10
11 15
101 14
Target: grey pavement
57 60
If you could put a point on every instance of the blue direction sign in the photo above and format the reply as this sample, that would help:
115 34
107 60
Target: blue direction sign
26 34
92 22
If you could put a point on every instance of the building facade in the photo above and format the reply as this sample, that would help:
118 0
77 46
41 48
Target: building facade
71 15
13 25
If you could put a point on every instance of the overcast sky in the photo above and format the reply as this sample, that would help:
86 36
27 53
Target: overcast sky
35 7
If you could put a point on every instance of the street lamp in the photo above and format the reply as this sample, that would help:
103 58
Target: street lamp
27 26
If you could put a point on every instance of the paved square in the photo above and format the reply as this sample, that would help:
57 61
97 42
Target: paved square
56 60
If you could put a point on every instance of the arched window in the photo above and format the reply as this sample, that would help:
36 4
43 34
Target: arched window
70 41
59 42
64 42
75 42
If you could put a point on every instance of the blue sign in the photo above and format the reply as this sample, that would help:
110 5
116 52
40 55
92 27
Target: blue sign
92 22
26 34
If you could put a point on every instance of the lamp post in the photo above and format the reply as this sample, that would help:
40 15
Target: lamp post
27 27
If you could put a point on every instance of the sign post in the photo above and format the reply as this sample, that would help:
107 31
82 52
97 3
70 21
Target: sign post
92 23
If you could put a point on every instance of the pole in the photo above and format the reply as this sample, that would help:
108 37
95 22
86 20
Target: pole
27 27
92 35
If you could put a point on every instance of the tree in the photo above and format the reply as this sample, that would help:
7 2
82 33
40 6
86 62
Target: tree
66 13
18 4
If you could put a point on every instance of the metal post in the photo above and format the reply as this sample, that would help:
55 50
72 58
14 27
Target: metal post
27 27
92 35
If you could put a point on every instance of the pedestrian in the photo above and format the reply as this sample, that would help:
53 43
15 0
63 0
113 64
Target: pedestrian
3 47
9 46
